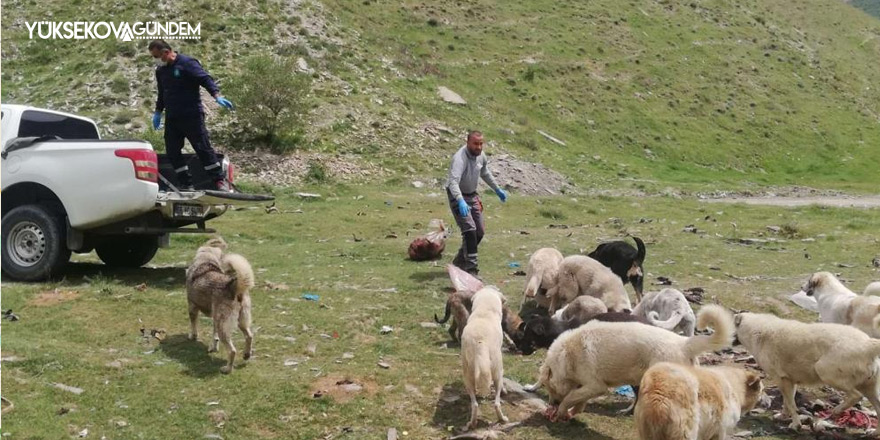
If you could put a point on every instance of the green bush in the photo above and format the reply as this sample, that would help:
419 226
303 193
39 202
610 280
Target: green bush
317 172
270 96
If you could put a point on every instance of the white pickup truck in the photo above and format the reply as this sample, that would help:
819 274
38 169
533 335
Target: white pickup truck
64 190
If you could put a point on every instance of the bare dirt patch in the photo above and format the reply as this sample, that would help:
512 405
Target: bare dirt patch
793 196
278 170
342 389
528 178
53 297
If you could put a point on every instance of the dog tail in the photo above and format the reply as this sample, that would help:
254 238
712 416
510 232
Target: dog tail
238 268
446 315
640 245
669 324
482 374
721 322
533 285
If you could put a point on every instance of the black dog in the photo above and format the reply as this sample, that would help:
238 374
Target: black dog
540 331
624 260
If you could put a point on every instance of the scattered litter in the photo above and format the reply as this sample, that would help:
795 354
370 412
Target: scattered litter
275 286
391 236
9 316
805 302
121 423
158 333
310 297
384 365
290 363
392 434
487 433
141 287
84 433
846 265
73 390
625 391
519 273
690 228
311 349
348 355
663 281
513 265
386 329
213 403
557 226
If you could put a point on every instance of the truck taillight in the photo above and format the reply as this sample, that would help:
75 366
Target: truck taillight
146 163
230 173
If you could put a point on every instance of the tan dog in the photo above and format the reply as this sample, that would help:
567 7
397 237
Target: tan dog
541 275
793 353
579 275
481 360
583 308
583 363
694 403
219 287
839 305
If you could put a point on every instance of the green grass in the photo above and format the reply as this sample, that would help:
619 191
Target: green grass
337 248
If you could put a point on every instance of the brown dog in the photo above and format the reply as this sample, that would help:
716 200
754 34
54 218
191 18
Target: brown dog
219 286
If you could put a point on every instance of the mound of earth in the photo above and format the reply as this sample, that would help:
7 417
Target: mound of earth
528 178
278 170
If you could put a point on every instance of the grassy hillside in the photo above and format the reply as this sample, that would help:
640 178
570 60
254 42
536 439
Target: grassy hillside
701 93
84 331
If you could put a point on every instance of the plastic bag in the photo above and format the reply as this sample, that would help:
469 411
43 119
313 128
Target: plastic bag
463 281
431 245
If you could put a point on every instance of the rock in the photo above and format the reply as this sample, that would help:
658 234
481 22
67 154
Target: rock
73 390
311 349
450 96
308 195
384 365
875 262
774 229
418 184
386 329
551 138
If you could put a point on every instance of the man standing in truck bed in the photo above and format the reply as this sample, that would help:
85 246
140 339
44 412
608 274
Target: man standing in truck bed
178 78
468 166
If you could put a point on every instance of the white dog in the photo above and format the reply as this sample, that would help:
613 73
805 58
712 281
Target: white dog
541 275
583 363
583 308
793 353
481 351
872 289
839 305
579 275
670 306
695 403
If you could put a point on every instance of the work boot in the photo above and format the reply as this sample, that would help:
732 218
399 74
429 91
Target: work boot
458 261
224 186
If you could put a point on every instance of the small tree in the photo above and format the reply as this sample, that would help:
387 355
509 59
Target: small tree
269 94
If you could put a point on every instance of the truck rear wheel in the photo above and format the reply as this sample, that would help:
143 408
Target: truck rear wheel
34 243
128 251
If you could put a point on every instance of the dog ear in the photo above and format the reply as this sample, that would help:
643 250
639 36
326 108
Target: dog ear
521 327
753 380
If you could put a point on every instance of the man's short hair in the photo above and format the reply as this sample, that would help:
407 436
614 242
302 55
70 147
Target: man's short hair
473 133
159 45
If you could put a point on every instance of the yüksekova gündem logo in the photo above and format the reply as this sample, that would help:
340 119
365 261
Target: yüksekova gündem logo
102 30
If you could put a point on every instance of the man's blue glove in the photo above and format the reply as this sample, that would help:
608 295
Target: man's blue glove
225 103
157 120
463 208
501 195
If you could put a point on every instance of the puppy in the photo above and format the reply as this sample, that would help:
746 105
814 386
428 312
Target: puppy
583 308
670 305
219 286
625 261
683 402
458 305
585 362
839 305
795 353
481 351
541 275
540 331
579 275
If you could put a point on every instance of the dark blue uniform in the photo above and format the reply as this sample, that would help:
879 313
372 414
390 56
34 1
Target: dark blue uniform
178 85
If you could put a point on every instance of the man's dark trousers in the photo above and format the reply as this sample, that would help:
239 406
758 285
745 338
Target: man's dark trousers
472 230
192 128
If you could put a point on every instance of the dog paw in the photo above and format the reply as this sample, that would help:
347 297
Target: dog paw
193 337
212 350
795 426
503 419
247 355
226 369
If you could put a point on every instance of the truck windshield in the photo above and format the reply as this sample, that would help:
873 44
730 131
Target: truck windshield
37 124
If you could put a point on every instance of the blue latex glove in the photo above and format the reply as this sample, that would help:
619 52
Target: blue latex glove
463 208
225 103
501 195
157 120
